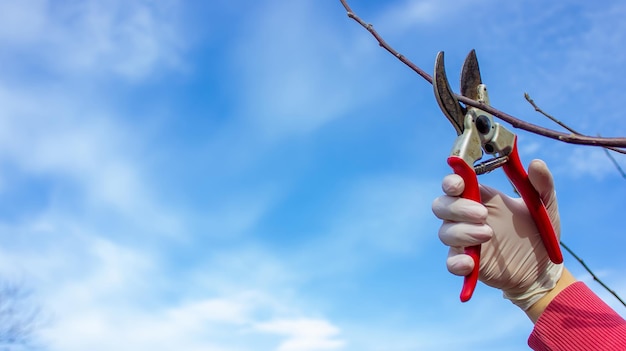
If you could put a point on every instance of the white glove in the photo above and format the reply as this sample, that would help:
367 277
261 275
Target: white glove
513 258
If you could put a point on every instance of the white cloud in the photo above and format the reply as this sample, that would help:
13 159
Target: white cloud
58 129
405 15
487 322
79 142
589 162
99 288
127 38
99 295
304 334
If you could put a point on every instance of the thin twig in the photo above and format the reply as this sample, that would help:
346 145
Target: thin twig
513 121
595 277
384 45
538 109
617 166
557 121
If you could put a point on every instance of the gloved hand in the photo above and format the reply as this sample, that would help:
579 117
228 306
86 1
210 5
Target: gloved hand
513 258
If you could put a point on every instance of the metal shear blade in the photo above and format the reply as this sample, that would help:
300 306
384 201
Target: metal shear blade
470 76
470 82
445 97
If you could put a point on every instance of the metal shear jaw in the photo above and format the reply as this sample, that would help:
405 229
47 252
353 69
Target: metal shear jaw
470 87
476 129
468 145
471 79
448 103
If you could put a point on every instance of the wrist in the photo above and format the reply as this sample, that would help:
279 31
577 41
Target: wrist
525 296
535 311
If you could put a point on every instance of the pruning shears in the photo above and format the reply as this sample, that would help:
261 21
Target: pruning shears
478 133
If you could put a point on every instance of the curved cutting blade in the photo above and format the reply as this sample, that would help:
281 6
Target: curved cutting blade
470 76
445 97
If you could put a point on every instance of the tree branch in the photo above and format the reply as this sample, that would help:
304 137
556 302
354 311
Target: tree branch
555 120
513 121
384 45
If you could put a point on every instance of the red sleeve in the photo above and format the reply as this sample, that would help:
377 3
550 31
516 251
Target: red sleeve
577 319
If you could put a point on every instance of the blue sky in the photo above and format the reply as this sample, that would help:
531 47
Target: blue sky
239 175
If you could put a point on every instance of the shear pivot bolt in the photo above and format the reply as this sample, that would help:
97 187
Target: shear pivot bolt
483 124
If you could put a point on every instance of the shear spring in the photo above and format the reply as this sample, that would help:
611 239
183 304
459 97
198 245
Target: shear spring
490 165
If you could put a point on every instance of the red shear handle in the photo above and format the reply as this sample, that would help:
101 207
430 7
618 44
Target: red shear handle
472 192
518 176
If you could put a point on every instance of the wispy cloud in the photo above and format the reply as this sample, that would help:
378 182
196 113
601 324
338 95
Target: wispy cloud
304 334
128 39
90 288
289 77
50 135
409 14
590 162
